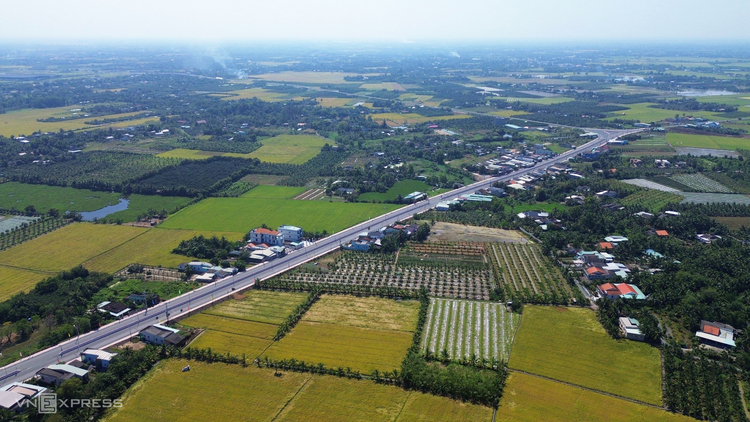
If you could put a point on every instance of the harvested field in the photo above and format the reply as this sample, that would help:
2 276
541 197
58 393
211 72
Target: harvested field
531 399
527 275
450 231
291 149
468 329
167 394
365 312
569 344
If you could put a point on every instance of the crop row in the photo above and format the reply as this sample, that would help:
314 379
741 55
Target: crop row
652 200
526 275
468 330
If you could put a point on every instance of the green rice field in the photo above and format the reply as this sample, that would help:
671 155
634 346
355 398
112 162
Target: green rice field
244 214
402 188
290 149
707 141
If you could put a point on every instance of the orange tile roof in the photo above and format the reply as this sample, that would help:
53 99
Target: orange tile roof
266 231
606 245
624 289
662 233
607 286
711 330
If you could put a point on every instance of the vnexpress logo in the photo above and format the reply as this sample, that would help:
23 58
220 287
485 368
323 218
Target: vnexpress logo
47 403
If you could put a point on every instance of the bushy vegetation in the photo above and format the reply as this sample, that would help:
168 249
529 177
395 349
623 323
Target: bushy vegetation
206 247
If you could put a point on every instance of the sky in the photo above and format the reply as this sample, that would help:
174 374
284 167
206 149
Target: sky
383 20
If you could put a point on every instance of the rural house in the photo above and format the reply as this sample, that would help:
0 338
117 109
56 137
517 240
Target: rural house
98 358
114 309
716 334
269 237
13 395
159 334
620 290
629 328
290 233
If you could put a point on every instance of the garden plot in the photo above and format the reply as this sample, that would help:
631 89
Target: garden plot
701 183
705 198
526 275
651 200
469 330
458 279
650 185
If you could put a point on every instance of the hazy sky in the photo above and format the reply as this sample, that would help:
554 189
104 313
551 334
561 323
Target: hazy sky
382 20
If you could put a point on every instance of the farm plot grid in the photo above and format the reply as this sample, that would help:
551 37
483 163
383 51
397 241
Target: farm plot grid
469 329
441 278
527 275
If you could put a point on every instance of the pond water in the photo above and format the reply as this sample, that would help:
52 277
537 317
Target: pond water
103 212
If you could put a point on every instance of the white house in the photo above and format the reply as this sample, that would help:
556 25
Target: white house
290 233
13 395
269 237
99 358
630 328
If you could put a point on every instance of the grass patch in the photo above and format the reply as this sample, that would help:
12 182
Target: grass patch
734 223
289 149
196 154
707 141
240 215
556 148
263 179
207 392
644 113
69 246
24 122
365 312
402 188
154 247
43 198
570 345
141 204
528 398
13 280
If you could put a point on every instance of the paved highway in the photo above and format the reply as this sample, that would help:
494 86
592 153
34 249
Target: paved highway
206 295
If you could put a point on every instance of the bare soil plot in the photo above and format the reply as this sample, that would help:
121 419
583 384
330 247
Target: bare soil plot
451 232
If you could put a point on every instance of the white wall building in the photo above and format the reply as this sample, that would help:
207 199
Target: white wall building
291 233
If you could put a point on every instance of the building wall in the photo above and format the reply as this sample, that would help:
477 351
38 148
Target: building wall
291 235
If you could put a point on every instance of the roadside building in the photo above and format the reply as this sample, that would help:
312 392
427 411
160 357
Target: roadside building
12 396
77 372
53 377
114 309
159 334
97 357
290 233
269 237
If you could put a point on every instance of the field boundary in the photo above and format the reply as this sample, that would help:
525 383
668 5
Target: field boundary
292 398
593 390
15 267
